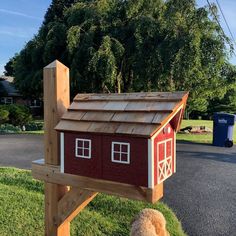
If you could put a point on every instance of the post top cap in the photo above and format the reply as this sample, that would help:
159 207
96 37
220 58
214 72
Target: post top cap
54 64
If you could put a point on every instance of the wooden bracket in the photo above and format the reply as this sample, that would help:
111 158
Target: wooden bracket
72 203
52 174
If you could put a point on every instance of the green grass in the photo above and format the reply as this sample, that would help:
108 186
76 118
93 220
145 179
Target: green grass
32 132
22 204
198 138
208 123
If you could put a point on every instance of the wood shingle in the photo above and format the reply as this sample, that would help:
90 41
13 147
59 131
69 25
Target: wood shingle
139 114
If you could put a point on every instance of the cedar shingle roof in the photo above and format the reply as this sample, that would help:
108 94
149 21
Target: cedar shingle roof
139 114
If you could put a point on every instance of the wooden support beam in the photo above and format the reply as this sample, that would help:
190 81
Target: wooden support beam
56 102
155 194
61 206
72 203
52 174
53 193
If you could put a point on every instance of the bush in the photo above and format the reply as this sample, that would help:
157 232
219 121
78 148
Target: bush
34 126
18 114
3 115
9 128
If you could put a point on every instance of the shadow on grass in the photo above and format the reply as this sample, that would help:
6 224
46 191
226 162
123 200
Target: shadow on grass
20 178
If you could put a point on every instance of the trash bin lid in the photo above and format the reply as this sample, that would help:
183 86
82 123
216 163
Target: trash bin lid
224 118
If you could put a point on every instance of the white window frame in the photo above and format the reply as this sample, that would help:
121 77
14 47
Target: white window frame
62 150
120 152
7 100
35 103
83 148
166 163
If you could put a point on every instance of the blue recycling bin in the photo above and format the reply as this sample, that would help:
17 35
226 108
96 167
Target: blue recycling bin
223 125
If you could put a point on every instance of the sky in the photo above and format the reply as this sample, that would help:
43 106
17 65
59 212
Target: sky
19 22
21 19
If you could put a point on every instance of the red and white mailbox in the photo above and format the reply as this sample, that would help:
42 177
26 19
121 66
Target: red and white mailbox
127 138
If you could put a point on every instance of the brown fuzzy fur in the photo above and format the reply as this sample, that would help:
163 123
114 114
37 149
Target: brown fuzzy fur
149 222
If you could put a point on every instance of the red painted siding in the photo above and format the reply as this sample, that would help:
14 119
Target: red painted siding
81 166
101 166
163 135
136 172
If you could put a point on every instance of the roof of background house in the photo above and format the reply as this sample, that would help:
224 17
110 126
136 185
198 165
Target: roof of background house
139 114
8 86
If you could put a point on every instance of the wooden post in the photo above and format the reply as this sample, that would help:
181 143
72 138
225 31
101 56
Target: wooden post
61 204
56 101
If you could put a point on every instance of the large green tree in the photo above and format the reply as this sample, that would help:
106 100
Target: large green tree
9 67
226 103
132 45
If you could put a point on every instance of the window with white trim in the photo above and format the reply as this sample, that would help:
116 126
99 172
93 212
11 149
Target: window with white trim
7 100
35 103
120 152
83 148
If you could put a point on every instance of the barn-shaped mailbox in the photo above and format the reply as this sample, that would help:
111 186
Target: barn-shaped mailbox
119 144
126 138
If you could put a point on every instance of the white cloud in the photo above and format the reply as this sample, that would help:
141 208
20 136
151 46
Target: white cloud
18 32
5 11
14 34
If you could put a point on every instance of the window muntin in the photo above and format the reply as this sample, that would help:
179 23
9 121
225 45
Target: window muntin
120 152
83 148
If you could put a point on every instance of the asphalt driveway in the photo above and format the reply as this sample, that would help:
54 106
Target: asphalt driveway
202 192
20 150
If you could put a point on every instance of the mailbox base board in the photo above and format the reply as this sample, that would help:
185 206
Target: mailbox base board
52 174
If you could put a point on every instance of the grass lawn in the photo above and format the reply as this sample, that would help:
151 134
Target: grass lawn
198 138
21 210
32 132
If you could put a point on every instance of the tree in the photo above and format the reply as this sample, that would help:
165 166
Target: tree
226 103
56 10
9 67
132 45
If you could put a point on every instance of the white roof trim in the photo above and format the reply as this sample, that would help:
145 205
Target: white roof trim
155 135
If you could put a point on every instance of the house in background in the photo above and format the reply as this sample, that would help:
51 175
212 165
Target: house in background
10 95
8 92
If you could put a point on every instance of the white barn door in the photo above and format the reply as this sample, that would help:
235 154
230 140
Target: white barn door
164 157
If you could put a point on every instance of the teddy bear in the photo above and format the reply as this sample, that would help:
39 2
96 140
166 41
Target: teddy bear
149 222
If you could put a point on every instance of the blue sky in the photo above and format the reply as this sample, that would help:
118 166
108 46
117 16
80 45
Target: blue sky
21 19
